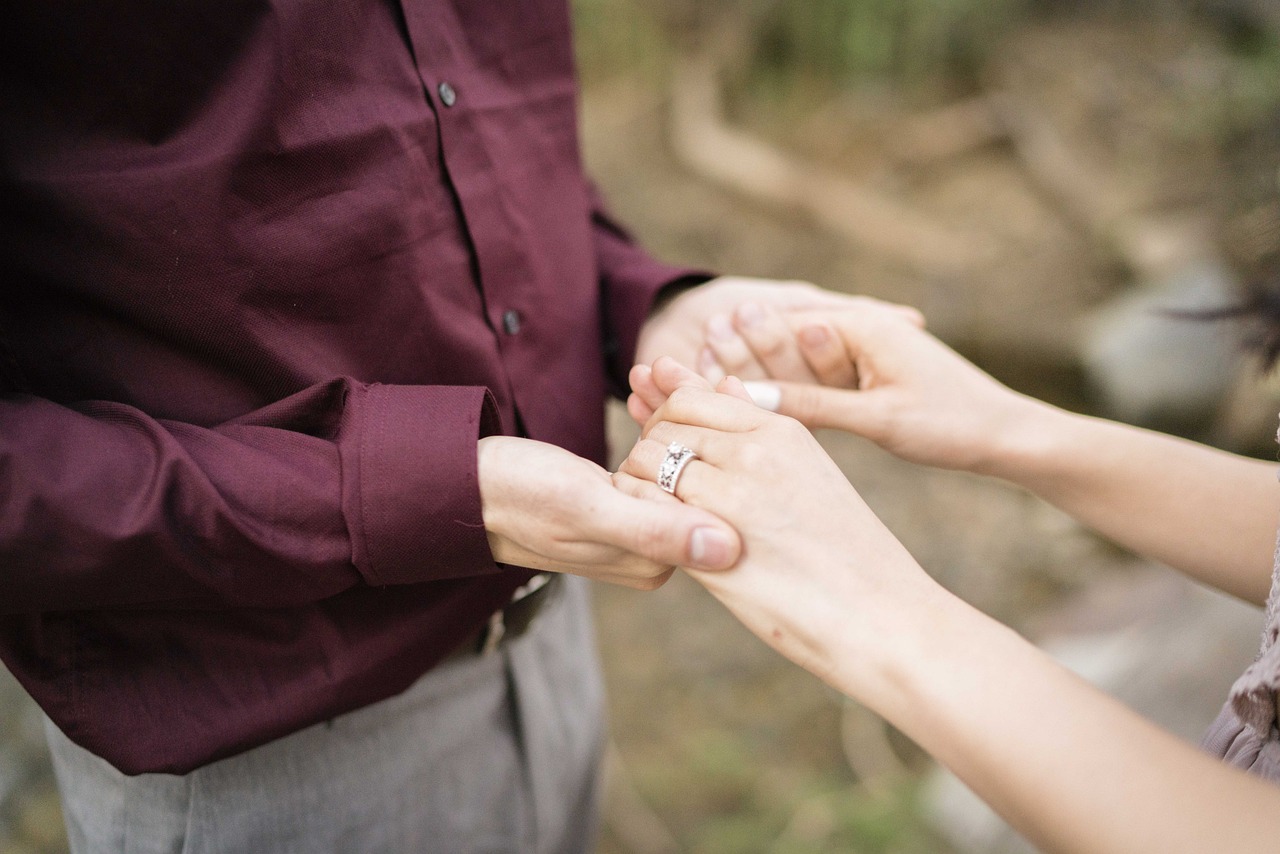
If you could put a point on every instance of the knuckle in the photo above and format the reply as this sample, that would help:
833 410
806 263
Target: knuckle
826 362
752 456
650 538
631 464
835 375
793 429
805 401
653 582
778 431
768 343
650 447
681 398
733 360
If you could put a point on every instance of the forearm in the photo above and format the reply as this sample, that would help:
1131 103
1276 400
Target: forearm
1205 512
1069 767
1208 513
827 585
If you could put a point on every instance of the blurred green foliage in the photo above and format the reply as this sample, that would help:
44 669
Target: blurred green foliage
905 43
725 794
1252 92
620 36
719 786
846 41
909 41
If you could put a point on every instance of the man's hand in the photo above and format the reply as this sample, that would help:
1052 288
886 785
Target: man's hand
699 327
882 377
547 509
746 328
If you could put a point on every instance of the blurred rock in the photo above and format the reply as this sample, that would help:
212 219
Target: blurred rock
1153 366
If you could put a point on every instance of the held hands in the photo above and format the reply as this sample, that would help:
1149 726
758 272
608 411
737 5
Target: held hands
817 564
697 328
547 509
747 328
882 377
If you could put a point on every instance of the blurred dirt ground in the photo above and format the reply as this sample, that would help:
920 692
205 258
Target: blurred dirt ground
1087 163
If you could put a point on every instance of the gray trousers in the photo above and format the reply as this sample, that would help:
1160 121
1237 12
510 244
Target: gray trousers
498 753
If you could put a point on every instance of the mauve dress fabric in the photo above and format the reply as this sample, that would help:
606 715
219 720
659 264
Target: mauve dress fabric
1245 733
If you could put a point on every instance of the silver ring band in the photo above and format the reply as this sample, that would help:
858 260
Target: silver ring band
678 456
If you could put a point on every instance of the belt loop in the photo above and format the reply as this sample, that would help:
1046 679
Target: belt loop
493 637
513 620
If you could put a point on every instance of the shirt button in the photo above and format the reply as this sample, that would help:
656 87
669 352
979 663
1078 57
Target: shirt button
511 321
448 95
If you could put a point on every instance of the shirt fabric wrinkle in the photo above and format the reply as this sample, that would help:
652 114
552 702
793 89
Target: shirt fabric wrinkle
259 216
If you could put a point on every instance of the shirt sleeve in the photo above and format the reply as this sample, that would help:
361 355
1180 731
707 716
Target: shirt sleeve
339 485
631 283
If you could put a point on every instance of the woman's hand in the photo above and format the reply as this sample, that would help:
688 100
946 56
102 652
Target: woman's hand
821 579
886 379
824 583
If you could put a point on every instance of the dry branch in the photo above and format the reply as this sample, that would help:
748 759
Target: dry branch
711 148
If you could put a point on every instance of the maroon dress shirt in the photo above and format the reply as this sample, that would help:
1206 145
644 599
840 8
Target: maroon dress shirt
270 268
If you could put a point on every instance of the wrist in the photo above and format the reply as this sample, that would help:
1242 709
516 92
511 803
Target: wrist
1022 438
879 653
674 290
911 664
493 458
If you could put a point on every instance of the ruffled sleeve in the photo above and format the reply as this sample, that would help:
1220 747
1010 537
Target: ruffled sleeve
1245 733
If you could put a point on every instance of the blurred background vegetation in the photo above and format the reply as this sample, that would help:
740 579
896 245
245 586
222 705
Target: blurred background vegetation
1046 179
1043 178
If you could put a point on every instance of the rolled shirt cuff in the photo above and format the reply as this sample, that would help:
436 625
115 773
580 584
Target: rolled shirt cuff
411 491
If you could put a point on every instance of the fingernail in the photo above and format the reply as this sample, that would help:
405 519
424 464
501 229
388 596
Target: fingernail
764 395
709 367
750 313
710 548
814 336
721 328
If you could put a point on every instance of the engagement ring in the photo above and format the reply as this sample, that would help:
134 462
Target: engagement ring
678 456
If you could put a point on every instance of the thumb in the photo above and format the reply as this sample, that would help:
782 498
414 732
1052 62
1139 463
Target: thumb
816 406
669 375
737 388
666 531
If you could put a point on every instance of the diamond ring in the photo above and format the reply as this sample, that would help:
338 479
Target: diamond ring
678 456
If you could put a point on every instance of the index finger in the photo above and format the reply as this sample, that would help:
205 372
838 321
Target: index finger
772 342
706 408
863 322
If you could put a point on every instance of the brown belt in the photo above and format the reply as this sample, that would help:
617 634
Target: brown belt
513 620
